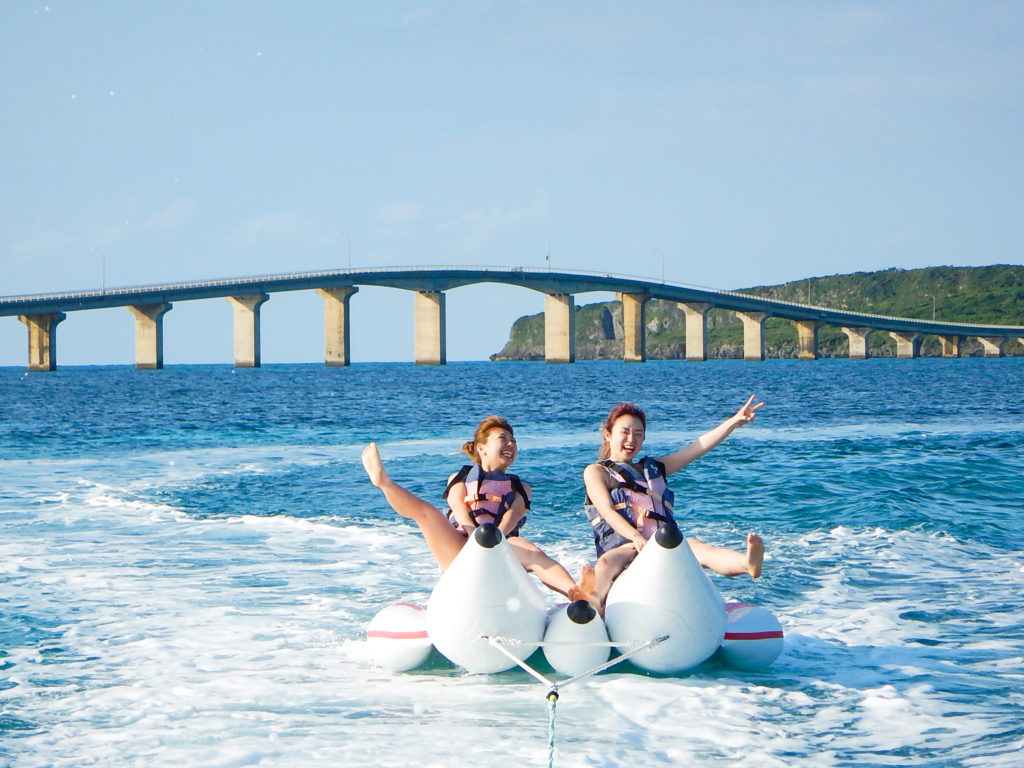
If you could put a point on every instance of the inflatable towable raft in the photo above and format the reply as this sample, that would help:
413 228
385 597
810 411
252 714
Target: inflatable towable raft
486 615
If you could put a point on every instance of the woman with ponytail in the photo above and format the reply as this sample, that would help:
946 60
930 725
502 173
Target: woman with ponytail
479 493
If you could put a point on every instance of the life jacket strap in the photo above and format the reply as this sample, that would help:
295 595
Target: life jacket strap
486 497
472 473
626 480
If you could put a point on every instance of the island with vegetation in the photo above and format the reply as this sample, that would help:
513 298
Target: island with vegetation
986 295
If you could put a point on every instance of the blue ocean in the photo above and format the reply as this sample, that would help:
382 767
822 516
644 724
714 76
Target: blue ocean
190 557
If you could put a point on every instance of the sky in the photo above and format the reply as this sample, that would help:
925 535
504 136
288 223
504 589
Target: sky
716 144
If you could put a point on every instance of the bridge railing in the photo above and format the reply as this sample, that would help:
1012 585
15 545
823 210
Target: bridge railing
295 277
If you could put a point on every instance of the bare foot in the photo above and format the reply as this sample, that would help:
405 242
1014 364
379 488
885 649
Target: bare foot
584 588
373 465
575 593
755 554
588 579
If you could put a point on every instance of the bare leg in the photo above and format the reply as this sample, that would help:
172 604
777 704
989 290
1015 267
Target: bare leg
444 540
731 562
609 566
549 571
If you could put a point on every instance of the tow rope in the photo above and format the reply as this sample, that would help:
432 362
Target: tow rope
500 644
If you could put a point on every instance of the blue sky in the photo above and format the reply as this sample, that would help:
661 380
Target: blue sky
723 144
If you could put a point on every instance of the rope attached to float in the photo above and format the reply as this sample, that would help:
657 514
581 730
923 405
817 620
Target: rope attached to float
549 643
552 698
499 644
588 644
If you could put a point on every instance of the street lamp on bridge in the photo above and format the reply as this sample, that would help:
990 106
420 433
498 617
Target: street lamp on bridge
930 296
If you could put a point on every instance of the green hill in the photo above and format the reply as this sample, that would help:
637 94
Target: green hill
993 295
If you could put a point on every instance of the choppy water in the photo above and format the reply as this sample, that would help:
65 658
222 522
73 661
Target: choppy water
189 559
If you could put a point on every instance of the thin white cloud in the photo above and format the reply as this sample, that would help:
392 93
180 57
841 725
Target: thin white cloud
421 17
43 244
399 213
56 243
894 240
475 227
171 217
273 227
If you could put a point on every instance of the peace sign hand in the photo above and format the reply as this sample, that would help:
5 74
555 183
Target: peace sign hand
745 415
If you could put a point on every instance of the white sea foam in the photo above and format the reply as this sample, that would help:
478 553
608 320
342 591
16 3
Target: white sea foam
163 639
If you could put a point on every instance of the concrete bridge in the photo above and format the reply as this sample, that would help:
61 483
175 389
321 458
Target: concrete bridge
149 305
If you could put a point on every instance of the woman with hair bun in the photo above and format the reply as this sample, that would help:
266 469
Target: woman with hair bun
628 499
479 493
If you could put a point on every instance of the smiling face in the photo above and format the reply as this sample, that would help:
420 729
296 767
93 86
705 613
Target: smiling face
497 451
625 439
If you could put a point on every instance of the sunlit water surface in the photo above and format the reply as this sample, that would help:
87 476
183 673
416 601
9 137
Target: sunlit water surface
189 559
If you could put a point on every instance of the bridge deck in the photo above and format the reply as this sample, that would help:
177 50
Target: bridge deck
446 278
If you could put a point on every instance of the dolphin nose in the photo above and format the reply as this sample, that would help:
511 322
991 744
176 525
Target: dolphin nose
487 535
669 536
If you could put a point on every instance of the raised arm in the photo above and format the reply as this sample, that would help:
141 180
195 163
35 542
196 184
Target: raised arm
676 461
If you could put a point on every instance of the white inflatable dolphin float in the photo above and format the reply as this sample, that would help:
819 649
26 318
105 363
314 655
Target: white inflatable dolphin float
665 592
485 593
486 615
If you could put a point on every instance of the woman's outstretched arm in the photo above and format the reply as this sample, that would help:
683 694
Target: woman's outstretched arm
710 439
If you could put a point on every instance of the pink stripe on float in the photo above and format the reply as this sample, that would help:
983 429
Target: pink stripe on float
770 635
419 634
410 605
730 607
